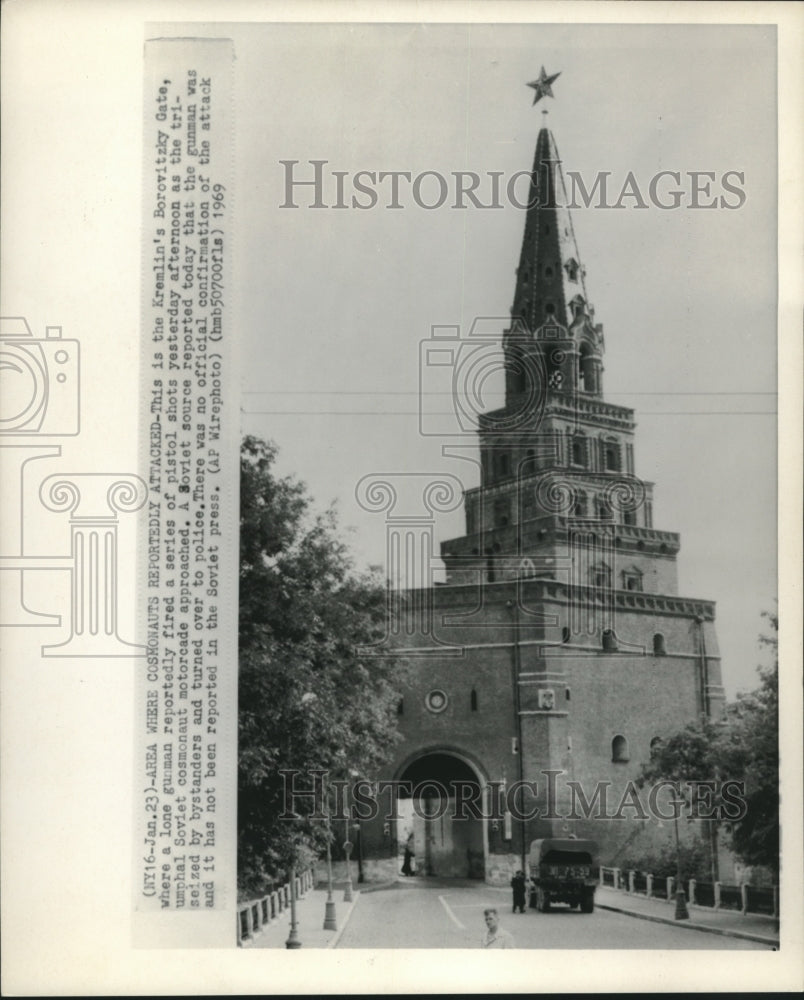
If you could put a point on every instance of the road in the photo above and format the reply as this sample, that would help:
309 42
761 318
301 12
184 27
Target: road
442 914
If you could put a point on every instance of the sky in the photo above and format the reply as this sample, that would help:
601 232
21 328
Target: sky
333 304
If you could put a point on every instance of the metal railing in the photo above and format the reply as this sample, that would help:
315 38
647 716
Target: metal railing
717 895
255 914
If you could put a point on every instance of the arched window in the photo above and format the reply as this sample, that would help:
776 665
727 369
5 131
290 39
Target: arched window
619 749
629 517
579 507
579 450
473 700
526 568
655 745
502 513
600 575
611 456
659 647
586 370
609 640
604 510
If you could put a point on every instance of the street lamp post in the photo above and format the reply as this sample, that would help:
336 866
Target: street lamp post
330 922
347 846
682 913
359 831
293 938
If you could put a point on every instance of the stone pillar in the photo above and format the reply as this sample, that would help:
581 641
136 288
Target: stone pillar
670 881
410 549
744 898
94 501
717 895
649 889
631 878
692 890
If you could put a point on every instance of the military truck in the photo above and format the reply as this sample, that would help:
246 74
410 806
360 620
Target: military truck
563 871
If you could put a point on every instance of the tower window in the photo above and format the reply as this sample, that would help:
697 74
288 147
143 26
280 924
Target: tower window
659 646
502 513
548 272
579 508
586 370
600 575
611 457
565 637
473 700
632 579
400 708
655 745
549 308
629 517
567 693
578 451
619 750
609 641
490 571
603 510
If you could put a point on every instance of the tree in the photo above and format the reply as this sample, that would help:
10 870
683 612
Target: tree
742 746
749 747
307 701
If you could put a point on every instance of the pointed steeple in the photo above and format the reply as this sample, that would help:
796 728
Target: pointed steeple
550 286
551 303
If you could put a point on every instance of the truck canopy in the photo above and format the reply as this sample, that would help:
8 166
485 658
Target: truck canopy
540 849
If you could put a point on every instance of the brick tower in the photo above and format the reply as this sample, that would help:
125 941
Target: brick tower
559 642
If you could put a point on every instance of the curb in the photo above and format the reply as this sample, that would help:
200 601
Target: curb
723 932
337 935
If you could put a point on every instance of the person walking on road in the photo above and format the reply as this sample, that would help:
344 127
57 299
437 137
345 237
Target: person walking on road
496 936
409 854
518 885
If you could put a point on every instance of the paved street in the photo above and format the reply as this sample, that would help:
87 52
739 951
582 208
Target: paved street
433 914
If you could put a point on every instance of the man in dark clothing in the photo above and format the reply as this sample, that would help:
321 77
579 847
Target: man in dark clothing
409 855
518 885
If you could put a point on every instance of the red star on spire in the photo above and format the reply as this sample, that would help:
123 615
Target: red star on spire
542 85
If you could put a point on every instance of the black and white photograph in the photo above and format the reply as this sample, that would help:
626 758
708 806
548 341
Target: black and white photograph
401 475
513 337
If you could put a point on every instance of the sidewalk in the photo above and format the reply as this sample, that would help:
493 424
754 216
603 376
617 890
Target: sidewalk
310 910
729 923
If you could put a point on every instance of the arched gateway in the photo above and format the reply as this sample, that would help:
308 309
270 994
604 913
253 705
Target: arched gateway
442 808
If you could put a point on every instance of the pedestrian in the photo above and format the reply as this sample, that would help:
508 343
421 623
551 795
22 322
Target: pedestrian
496 936
409 855
518 885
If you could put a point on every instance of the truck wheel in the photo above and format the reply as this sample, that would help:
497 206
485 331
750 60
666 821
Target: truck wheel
588 902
